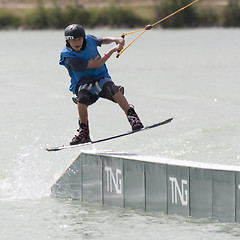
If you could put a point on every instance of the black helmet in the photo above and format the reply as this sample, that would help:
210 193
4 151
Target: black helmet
74 31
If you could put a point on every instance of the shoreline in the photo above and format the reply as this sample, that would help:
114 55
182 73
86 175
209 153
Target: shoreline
52 14
28 4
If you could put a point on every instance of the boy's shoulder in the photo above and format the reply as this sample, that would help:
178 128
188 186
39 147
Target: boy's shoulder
97 40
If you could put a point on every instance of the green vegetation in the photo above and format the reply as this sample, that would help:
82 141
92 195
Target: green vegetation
189 17
232 14
57 17
9 19
40 18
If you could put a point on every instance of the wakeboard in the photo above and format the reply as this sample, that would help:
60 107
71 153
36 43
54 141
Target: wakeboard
109 138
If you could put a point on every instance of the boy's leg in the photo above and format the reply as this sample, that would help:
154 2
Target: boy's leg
83 113
122 101
132 116
84 99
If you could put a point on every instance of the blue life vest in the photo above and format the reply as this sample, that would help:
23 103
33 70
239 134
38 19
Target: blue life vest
89 53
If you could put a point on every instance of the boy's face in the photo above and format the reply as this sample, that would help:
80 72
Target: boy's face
76 43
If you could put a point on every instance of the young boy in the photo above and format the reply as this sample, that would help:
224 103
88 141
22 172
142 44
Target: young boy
90 78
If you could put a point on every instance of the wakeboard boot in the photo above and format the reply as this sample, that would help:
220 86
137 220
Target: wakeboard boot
83 135
134 120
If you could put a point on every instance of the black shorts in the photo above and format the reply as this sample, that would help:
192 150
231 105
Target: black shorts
89 93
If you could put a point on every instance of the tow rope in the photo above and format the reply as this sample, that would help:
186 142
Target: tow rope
150 26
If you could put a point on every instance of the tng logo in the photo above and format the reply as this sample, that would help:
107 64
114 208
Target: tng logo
114 180
177 191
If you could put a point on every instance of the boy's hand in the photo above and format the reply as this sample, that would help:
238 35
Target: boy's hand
120 41
118 47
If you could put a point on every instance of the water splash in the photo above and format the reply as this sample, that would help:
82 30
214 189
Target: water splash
30 176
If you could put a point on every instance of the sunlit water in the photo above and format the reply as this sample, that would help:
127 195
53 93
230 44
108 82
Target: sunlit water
191 75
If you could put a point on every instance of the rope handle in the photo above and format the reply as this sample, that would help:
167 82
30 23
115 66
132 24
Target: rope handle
118 54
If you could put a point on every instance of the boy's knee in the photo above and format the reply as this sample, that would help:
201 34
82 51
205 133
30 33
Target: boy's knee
85 97
110 89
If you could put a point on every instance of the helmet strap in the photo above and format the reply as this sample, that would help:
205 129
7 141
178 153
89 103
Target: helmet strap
84 44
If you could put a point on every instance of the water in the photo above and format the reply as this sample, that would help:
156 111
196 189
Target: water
191 75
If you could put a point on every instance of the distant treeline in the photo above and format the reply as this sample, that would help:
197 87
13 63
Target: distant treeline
57 17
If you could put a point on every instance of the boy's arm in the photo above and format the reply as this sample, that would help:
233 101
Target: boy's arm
120 43
108 40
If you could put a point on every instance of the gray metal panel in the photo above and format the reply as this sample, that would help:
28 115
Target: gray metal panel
97 178
134 187
91 178
237 196
156 187
224 196
201 193
178 190
70 184
113 181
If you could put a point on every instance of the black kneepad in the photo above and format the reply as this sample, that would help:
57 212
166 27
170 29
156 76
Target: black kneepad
109 90
85 97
